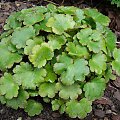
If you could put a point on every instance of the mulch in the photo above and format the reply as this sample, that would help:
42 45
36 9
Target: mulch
106 108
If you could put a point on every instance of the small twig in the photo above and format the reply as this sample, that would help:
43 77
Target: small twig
51 2
117 42
62 2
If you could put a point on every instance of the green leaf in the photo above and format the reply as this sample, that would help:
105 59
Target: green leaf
78 109
46 99
97 16
31 43
47 89
63 62
28 77
60 23
70 72
74 73
116 62
21 35
7 42
32 93
58 104
79 16
67 9
51 8
98 63
95 88
108 74
33 108
117 2
20 101
12 22
40 55
80 69
77 50
32 18
111 40
84 35
2 99
6 34
69 92
56 41
8 87
43 23
8 58
51 76
32 15
91 38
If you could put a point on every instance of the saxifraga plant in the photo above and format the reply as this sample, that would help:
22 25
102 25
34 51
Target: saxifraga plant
65 55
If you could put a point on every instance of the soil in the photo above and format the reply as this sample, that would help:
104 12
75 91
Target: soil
106 108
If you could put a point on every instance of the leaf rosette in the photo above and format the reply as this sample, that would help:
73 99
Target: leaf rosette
63 55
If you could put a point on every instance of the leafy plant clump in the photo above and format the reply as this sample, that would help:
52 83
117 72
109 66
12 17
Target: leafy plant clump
63 55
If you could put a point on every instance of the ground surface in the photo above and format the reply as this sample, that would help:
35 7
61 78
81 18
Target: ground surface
108 107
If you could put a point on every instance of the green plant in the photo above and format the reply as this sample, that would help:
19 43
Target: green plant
65 55
117 2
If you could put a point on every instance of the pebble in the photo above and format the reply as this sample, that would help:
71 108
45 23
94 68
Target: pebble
117 95
116 117
55 115
99 113
108 112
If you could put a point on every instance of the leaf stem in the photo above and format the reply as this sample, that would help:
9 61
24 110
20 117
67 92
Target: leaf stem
51 2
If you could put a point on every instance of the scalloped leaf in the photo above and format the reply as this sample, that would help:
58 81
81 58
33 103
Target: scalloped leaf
111 40
91 38
56 41
8 58
97 16
7 42
95 88
77 50
84 35
33 108
46 99
51 76
28 77
20 101
12 22
60 23
79 16
58 104
69 92
47 90
32 18
8 87
98 63
116 62
2 99
67 10
31 43
70 72
32 15
78 108
21 35
63 62
75 72
40 55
